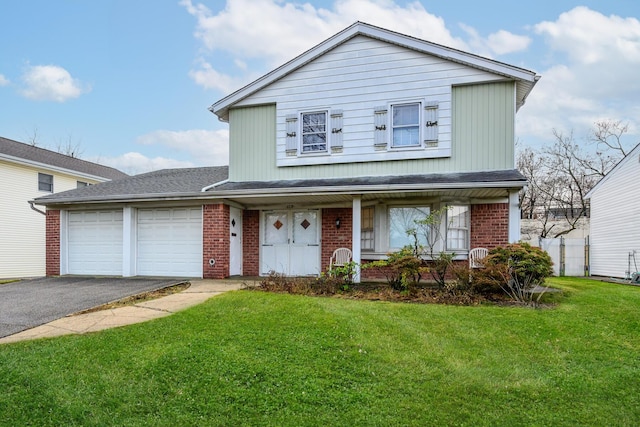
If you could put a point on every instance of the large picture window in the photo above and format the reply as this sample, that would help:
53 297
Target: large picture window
314 132
457 228
403 219
406 125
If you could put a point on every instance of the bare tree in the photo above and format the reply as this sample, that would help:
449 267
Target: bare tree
70 147
33 138
561 174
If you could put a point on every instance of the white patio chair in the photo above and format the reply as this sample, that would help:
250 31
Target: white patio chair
476 255
340 258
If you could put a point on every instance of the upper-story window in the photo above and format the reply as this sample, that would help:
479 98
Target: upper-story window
314 132
45 182
405 124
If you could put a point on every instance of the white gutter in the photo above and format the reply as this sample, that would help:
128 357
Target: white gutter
208 187
52 168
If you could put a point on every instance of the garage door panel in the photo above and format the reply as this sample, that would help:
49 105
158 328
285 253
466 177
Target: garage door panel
94 242
170 242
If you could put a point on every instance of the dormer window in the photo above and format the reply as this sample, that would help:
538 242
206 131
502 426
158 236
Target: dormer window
314 132
405 122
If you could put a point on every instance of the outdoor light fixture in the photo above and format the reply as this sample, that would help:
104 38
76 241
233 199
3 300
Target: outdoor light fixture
337 222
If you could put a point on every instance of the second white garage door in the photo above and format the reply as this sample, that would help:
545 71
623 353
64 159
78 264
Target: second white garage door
169 242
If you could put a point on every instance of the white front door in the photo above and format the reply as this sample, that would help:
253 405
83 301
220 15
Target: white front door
291 242
235 241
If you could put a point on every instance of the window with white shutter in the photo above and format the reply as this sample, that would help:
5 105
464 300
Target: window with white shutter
380 129
292 134
336 131
314 132
431 124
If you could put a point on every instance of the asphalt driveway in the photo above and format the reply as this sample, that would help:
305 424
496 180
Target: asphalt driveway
34 302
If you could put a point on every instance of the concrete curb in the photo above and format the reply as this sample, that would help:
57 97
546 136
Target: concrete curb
199 291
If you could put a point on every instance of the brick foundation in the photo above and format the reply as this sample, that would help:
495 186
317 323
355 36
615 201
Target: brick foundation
251 243
53 243
333 237
215 241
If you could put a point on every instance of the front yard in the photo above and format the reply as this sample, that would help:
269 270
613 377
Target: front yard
253 358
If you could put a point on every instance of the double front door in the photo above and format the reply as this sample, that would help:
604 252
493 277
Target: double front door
290 242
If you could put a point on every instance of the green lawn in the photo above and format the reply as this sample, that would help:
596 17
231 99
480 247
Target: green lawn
252 358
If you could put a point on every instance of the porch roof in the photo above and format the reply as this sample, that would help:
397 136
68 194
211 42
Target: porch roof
188 184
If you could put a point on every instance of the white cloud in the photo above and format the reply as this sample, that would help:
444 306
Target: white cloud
504 42
594 76
205 147
273 32
209 78
51 83
3 80
498 43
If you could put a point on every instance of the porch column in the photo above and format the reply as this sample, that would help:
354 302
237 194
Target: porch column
355 237
514 217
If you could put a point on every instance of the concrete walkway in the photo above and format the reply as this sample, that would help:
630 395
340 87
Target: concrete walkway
199 291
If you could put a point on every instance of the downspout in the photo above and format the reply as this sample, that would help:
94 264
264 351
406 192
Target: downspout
36 209
209 187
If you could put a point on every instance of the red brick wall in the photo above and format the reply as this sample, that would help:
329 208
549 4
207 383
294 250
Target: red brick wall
251 243
489 225
215 241
53 243
332 237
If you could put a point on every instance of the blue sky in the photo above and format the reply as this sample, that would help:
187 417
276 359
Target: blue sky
129 81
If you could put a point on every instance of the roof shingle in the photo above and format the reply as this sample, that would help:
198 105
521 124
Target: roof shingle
9 147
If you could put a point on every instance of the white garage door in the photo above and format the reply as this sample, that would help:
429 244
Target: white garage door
94 242
170 242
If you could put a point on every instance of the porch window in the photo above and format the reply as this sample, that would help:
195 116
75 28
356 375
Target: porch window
367 240
458 228
314 132
45 182
403 219
406 125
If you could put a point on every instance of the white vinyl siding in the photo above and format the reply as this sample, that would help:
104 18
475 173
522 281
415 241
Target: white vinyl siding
357 77
22 230
615 219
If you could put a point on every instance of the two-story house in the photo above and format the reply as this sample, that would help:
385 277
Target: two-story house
26 172
343 146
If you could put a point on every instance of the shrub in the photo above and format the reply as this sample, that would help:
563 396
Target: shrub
529 264
515 269
402 269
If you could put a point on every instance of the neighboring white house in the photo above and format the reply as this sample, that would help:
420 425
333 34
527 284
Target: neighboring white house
27 172
615 219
